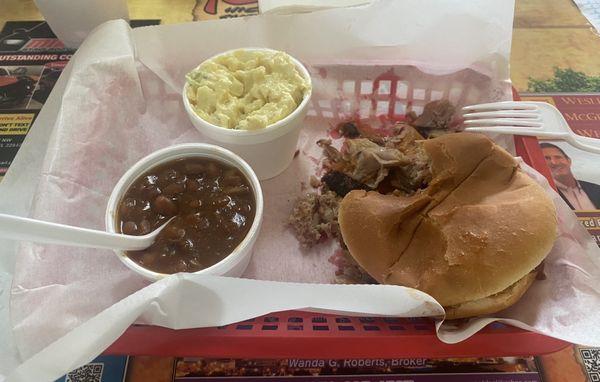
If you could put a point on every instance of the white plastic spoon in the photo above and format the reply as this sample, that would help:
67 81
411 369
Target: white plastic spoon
19 228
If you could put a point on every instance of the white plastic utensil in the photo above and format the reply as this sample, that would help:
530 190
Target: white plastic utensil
19 228
538 119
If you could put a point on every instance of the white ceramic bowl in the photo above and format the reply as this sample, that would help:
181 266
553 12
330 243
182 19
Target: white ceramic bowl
237 261
270 150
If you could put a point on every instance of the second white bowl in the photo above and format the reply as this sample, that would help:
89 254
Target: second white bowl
270 150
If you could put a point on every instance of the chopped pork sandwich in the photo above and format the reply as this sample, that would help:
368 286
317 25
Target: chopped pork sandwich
368 161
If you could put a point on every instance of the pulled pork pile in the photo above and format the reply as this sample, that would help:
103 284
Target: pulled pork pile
394 163
315 217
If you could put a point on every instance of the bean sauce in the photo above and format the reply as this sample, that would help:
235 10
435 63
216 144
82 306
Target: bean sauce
214 207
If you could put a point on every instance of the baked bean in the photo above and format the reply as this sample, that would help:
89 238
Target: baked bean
149 191
174 233
222 200
185 245
127 207
169 175
164 206
149 180
144 227
146 206
180 266
147 259
192 185
130 228
174 189
231 180
195 263
193 219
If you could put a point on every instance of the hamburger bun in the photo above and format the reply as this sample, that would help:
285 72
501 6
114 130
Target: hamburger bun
493 303
471 239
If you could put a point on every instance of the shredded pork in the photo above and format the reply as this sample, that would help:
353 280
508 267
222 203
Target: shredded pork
314 218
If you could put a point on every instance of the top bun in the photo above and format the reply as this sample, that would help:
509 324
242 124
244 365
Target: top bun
480 226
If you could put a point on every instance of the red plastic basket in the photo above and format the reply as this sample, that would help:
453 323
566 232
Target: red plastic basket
308 335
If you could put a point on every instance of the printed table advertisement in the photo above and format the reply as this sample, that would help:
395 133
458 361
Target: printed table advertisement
31 60
569 364
413 370
138 369
575 172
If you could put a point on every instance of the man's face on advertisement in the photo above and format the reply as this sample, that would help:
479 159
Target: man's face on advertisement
559 164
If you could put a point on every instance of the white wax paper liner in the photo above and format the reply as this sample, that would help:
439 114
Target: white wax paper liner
185 301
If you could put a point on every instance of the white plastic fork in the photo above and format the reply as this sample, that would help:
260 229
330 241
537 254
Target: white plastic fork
538 119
